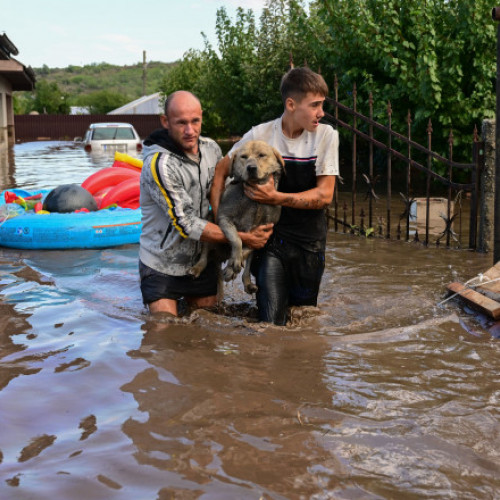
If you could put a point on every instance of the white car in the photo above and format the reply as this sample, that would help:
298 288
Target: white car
103 137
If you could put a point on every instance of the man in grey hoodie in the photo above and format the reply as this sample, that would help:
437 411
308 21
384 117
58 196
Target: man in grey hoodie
176 178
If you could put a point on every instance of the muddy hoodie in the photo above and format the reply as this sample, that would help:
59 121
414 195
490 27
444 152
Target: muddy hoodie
174 202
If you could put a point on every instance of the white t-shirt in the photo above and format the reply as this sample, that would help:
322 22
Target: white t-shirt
306 157
321 146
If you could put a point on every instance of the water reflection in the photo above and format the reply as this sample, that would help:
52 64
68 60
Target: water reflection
46 164
236 410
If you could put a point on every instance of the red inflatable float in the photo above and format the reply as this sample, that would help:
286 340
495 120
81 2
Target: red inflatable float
118 184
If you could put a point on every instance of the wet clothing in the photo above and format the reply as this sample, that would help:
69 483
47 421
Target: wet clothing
287 275
174 202
289 268
156 285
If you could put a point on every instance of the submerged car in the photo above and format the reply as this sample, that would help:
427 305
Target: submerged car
112 137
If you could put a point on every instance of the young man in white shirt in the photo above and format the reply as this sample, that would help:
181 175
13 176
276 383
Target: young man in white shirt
289 268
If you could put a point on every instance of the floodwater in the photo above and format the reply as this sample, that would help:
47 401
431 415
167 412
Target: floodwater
382 393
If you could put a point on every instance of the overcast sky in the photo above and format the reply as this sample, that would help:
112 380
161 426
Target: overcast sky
60 33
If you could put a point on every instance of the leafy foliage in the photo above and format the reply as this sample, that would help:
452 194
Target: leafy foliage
434 58
103 101
238 81
50 99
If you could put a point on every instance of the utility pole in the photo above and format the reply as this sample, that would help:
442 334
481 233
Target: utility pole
143 72
495 14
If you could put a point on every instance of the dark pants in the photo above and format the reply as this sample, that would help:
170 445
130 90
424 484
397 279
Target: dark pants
156 285
287 275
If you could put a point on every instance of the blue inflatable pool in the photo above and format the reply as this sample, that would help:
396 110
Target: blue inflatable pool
100 229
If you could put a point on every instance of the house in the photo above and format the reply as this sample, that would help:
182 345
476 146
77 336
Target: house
79 110
145 105
13 76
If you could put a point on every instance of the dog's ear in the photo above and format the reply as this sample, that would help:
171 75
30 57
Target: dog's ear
279 157
231 163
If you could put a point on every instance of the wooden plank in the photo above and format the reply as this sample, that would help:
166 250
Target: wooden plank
493 273
476 299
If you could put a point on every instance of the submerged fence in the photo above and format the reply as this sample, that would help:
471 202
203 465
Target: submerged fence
420 165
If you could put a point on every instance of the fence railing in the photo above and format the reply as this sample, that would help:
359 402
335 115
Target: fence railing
376 137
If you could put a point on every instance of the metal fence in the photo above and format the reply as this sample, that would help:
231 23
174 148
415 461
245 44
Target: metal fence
68 127
419 166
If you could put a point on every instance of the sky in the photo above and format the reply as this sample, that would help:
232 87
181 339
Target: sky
60 33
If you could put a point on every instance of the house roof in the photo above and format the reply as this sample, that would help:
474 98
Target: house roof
145 105
18 75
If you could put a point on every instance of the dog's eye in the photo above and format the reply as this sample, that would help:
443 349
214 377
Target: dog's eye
245 157
262 155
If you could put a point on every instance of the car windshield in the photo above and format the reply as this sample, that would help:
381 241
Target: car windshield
110 133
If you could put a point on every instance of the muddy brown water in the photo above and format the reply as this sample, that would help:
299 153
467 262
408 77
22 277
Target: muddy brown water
380 393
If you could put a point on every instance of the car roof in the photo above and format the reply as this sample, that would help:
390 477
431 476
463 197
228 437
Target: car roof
110 124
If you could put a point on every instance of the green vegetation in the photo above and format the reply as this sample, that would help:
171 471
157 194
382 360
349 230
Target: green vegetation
436 59
102 87
49 99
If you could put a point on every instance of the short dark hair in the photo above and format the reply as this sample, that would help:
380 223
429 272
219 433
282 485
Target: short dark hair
297 82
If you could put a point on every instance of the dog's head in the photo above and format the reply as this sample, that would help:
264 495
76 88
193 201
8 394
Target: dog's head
255 161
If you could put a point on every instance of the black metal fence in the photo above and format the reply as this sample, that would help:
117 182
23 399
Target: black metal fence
417 178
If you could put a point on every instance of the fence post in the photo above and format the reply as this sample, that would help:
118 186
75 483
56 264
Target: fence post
475 175
487 184
354 156
495 13
389 170
408 178
450 173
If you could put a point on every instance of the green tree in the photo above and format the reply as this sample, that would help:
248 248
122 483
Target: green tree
191 74
49 99
23 102
285 35
434 58
238 79
103 101
230 69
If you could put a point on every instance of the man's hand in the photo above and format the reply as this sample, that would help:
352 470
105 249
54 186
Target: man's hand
263 193
258 236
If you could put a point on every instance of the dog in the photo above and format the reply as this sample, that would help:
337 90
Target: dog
253 163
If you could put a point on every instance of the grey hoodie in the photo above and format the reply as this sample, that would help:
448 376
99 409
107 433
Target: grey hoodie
174 202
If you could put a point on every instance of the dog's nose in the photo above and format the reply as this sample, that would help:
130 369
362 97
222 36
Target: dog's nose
252 170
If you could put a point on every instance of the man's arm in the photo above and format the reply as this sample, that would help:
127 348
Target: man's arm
319 197
219 182
255 238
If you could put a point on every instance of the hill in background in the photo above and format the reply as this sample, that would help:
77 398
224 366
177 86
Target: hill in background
125 80
83 85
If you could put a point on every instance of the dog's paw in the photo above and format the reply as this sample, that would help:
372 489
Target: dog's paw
195 271
228 273
232 269
251 288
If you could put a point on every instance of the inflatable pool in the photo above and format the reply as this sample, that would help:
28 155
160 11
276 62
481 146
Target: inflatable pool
24 225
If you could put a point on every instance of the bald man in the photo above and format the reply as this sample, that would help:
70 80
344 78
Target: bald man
176 178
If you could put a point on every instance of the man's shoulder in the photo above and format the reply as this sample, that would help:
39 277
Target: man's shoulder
208 143
327 129
206 140
266 127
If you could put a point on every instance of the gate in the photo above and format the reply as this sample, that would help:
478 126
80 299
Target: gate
421 167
